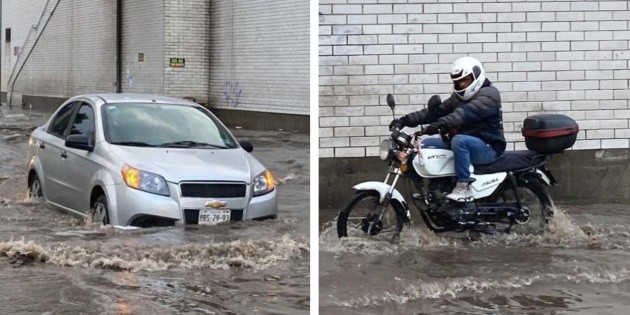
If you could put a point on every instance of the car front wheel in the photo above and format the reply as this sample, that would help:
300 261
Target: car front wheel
35 188
100 211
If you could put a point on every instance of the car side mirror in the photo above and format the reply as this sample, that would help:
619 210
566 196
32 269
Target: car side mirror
247 146
80 142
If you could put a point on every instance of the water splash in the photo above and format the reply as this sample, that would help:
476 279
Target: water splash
245 254
410 238
560 232
452 288
30 249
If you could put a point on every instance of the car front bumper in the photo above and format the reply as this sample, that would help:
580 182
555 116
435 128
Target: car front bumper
129 204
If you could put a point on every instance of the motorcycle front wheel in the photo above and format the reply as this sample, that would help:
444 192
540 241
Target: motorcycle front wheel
534 198
360 216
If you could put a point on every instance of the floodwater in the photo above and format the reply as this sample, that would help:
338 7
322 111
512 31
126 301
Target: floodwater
580 265
54 263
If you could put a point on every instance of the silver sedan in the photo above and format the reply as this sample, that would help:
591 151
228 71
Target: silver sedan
141 160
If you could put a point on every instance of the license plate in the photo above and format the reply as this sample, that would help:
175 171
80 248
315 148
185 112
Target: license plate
212 217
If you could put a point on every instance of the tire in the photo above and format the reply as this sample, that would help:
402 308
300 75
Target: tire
535 197
35 188
100 211
353 217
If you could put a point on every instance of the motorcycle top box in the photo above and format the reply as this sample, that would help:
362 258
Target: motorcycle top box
549 133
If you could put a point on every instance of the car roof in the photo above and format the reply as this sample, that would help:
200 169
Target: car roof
120 98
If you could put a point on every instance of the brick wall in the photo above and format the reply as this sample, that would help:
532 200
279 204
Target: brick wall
187 36
143 33
260 56
568 57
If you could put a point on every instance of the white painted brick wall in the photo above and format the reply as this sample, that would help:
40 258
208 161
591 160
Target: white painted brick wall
144 33
186 35
76 53
569 57
263 46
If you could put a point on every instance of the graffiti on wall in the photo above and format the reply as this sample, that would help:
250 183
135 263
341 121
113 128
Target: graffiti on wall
129 77
232 93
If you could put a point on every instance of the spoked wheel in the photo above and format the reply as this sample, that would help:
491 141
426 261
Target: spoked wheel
100 211
536 206
361 216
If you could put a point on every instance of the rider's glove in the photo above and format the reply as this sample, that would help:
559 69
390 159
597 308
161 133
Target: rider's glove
397 123
434 128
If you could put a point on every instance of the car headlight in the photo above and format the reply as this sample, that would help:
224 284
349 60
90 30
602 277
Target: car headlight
144 181
264 183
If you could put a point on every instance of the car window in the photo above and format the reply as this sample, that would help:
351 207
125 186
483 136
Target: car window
61 120
164 125
84 122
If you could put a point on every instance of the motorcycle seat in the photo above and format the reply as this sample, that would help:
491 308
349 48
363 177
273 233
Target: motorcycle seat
512 161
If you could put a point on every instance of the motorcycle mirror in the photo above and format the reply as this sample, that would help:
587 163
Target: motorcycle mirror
390 101
435 101
392 104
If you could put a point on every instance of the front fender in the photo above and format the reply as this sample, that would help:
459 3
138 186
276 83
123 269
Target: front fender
382 190
35 164
107 183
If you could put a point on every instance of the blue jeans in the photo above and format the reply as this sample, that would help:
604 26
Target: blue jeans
467 150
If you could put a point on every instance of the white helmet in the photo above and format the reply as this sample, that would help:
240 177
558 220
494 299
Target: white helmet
468 76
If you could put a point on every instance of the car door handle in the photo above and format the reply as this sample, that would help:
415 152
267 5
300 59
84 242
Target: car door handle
42 145
64 154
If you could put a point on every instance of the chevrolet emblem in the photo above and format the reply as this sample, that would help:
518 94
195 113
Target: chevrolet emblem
215 204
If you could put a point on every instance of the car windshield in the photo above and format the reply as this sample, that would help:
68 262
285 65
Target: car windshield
164 125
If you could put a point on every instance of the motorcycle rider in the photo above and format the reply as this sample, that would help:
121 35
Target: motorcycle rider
472 114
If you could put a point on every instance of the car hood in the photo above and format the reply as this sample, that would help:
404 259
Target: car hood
178 164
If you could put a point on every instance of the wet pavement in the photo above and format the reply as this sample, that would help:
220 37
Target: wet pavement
55 263
580 265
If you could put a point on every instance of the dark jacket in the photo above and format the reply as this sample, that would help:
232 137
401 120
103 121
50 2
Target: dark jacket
480 116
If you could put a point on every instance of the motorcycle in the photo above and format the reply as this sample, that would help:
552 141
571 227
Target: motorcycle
509 195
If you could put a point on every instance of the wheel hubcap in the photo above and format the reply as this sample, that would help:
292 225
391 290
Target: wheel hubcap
377 225
36 189
523 216
99 213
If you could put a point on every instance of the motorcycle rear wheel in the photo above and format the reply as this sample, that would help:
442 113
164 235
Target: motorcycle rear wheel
355 217
534 197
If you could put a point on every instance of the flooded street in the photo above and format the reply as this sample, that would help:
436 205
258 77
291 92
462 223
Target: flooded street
581 265
55 263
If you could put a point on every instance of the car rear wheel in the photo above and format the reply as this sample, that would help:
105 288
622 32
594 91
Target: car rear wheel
100 211
35 188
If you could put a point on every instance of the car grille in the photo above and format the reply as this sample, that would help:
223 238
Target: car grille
213 190
192 215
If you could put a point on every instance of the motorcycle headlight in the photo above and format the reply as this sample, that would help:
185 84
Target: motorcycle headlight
144 181
385 149
264 183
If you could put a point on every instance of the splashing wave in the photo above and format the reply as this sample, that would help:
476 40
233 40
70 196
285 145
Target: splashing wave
561 232
247 254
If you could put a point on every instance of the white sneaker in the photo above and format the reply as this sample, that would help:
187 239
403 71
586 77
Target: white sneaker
461 193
